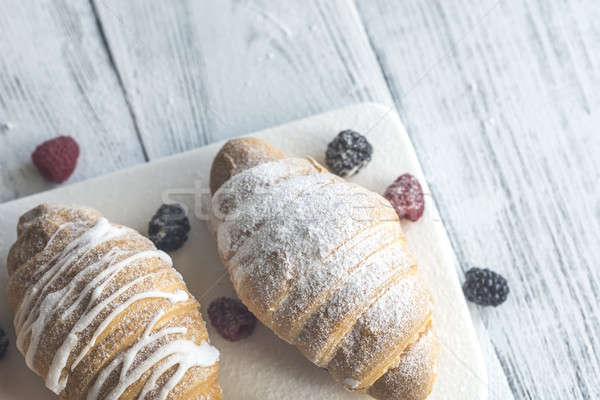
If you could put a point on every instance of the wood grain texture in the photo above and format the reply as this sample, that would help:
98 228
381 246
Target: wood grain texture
501 100
56 79
200 71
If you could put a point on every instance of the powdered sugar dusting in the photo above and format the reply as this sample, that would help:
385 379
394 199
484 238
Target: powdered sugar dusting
414 373
323 263
332 321
417 357
396 318
317 281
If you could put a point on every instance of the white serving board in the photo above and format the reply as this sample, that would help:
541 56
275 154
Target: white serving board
263 367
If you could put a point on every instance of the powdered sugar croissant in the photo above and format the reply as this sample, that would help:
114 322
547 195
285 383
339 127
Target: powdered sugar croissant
101 314
323 263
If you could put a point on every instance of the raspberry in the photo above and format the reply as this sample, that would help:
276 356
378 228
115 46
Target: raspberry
231 318
56 158
3 343
348 153
485 287
169 227
406 196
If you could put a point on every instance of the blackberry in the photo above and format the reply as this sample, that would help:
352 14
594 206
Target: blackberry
348 153
231 318
169 227
3 342
485 287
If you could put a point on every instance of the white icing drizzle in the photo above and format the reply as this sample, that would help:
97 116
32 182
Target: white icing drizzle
184 353
42 308
59 230
33 316
175 297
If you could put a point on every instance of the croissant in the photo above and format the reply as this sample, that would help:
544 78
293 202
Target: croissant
101 314
323 263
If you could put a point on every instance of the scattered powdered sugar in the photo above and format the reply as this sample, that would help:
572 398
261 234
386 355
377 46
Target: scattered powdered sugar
265 208
299 232
297 221
415 371
323 263
417 356
335 317
396 318
317 281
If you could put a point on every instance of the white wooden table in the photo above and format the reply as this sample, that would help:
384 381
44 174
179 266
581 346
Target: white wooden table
500 97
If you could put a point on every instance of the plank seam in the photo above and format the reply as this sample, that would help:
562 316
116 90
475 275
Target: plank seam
376 55
113 64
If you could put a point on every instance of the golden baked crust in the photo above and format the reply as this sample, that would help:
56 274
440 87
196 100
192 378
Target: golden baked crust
238 155
100 313
324 264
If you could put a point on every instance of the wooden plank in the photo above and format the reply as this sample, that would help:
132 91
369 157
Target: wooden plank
56 78
502 100
199 71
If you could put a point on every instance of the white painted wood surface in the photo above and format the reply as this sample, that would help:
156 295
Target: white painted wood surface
503 105
215 69
56 78
501 99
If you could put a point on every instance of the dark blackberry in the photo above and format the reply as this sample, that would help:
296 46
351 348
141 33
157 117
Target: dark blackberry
231 318
348 153
3 342
485 287
169 227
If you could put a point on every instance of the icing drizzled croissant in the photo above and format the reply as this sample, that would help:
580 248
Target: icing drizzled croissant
323 263
101 314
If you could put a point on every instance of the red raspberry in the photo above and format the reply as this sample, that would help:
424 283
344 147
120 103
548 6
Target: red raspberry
231 318
56 158
406 196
